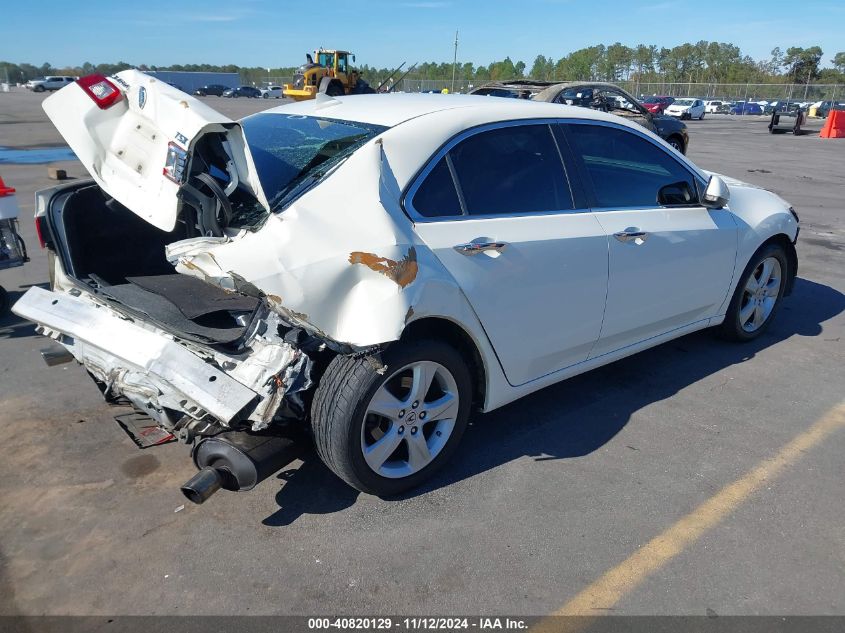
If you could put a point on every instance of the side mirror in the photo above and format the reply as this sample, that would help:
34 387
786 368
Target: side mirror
717 193
675 194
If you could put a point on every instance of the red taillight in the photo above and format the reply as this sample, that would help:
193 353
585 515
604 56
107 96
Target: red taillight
104 93
41 230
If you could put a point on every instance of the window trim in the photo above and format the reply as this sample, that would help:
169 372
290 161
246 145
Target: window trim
587 182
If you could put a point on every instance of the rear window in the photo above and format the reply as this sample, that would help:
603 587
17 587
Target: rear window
292 152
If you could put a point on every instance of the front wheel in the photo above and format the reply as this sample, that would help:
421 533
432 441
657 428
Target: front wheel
386 425
676 144
5 303
758 295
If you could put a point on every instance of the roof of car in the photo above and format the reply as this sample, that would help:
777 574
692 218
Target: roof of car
394 108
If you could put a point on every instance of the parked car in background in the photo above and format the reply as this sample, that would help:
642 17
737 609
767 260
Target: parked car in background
380 328
608 97
746 108
272 92
780 106
826 106
242 91
714 107
52 82
657 104
686 109
216 90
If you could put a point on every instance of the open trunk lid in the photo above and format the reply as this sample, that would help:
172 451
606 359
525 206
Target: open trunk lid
139 149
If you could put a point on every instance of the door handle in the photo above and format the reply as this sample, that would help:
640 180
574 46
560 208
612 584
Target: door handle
631 234
474 248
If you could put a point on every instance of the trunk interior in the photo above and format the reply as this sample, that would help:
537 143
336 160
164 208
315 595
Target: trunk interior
121 257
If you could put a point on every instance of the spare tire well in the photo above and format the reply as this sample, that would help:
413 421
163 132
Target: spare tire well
449 332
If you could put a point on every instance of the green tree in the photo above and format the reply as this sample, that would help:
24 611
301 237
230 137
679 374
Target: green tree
803 63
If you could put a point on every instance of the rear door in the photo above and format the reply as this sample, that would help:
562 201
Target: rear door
137 145
496 208
671 259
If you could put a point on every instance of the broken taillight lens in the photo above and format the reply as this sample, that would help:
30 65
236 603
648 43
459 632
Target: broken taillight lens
104 93
42 231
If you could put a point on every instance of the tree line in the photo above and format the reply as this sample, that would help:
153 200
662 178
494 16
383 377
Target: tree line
702 62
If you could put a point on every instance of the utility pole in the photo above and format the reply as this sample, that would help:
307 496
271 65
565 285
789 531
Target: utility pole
454 62
807 85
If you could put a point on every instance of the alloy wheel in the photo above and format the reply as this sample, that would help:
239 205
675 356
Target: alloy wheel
409 419
760 294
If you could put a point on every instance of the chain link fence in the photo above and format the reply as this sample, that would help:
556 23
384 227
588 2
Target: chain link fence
726 92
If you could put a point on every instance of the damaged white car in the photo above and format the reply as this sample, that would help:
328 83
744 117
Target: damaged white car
376 267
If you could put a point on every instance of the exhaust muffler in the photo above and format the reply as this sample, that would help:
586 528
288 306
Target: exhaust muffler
236 460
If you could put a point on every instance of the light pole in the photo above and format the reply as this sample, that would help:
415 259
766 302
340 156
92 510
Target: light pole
454 62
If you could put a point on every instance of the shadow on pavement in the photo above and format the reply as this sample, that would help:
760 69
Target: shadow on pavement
551 424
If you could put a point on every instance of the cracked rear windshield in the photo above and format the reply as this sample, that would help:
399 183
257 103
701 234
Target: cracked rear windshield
292 152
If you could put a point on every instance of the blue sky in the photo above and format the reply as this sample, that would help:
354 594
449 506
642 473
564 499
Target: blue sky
383 33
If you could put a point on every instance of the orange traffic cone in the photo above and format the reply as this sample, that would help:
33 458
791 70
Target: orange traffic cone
4 190
834 127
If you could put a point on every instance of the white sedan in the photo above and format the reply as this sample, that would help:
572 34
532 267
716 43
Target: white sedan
378 267
686 109
272 92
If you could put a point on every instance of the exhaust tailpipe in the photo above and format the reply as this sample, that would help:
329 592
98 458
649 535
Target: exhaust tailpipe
202 485
236 460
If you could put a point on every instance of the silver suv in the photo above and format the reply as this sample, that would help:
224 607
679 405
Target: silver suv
53 82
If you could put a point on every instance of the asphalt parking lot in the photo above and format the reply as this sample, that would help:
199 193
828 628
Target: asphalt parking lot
603 494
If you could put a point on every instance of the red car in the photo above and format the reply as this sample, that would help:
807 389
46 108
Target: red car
656 105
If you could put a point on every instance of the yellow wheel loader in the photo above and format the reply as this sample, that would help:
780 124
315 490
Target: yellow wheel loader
329 71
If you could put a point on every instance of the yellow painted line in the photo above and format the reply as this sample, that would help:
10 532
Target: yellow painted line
608 590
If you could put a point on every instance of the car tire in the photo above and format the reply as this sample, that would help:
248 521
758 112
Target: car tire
266 95
38 89
347 429
701 118
754 305
5 303
676 143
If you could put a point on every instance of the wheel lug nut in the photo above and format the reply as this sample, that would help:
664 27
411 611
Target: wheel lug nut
416 404
422 415
401 430
413 430
402 413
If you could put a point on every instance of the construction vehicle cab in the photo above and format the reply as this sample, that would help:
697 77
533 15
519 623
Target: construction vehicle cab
329 71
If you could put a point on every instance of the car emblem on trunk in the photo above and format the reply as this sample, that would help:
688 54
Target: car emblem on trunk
142 97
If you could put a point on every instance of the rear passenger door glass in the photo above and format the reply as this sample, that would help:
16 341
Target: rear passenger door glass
437 196
510 170
626 170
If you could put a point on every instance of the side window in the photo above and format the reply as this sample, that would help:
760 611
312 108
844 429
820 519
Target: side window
626 170
514 169
436 196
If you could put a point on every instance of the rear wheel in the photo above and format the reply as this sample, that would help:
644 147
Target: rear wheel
758 294
386 431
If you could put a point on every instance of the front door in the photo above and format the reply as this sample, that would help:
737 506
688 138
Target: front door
671 259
